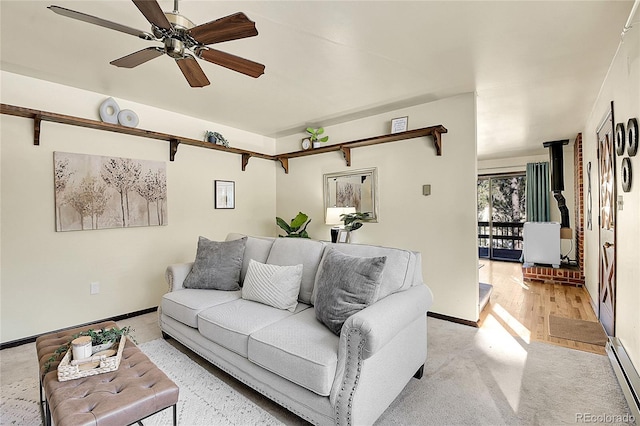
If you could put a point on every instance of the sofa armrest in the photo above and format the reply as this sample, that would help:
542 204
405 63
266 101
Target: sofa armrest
383 320
176 273
381 347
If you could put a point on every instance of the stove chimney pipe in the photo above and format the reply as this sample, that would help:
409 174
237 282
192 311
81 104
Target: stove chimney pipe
556 160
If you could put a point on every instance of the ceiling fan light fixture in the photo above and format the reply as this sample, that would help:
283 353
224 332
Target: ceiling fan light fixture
174 48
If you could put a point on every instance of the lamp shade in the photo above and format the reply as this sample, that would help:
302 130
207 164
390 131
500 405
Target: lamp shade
333 214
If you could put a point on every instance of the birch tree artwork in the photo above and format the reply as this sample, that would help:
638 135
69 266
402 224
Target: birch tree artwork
94 192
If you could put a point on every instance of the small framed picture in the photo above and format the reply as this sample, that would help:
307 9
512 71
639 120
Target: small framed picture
343 236
399 124
224 194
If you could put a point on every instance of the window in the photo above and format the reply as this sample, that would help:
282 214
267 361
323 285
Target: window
501 214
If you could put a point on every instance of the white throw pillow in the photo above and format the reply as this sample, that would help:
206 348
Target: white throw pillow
273 285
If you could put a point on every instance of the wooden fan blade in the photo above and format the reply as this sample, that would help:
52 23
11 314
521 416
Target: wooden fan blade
154 14
236 63
99 21
137 58
230 27
192 72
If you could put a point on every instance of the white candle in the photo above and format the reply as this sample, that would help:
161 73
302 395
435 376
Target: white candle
81 347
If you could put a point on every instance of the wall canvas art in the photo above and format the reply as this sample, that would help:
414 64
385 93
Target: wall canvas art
95 192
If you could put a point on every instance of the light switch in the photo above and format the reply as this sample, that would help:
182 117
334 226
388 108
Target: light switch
426 189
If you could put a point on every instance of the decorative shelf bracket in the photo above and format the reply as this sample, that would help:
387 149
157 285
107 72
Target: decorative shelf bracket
245 161
437 141
173 148
346 151
37 120
284 161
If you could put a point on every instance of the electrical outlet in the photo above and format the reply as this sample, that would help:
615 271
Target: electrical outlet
94 288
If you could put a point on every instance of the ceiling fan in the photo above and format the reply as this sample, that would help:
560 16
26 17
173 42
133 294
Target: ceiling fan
181 36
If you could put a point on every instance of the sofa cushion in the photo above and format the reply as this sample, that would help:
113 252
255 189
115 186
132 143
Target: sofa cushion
273 285
256 248
230 325
299 349
217 265
399 271
293 251
185 305
347 284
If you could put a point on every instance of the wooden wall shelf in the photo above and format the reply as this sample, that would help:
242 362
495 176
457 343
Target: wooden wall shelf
174 141
345 148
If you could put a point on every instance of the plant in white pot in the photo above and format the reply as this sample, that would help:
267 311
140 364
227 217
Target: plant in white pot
314 136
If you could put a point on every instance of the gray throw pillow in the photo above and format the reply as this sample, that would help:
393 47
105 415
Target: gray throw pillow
217 265
345 285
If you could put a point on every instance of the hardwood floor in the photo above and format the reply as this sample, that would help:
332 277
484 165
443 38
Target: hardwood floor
523 308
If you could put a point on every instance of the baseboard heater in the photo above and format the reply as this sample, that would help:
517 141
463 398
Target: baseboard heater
627 375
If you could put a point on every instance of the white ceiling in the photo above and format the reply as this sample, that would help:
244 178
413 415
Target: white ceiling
537 66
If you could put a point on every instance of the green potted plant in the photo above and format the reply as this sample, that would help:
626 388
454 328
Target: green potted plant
314 136
297 228
104 338
215 138
353 221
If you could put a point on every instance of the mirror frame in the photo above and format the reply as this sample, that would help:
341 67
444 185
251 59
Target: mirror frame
348 173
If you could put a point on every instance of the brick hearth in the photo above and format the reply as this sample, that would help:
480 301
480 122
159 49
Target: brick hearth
571 275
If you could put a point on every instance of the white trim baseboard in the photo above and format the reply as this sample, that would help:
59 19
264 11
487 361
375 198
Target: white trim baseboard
626 373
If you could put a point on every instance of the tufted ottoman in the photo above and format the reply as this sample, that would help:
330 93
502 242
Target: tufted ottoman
136 390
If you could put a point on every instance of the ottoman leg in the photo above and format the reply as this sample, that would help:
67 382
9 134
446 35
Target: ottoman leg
47 418
41 400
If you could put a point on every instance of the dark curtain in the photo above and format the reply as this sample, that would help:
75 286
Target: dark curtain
538 192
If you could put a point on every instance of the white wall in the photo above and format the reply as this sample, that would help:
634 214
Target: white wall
441 226
519 164
45 277
622 86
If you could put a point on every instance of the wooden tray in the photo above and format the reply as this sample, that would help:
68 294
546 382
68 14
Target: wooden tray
103 364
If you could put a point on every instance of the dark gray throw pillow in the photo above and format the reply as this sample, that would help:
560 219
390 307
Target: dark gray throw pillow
345 285
217 265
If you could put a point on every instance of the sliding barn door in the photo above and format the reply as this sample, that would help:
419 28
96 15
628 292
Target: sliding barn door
607 205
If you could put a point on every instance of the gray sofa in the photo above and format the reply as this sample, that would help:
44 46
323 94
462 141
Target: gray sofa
293 358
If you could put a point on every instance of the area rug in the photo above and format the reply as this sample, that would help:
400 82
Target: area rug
578 330
204 399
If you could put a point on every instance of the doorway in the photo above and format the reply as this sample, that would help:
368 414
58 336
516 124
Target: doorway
501 216
607 222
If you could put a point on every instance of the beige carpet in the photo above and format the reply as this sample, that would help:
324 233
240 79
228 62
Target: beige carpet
204 399
472 377
578 330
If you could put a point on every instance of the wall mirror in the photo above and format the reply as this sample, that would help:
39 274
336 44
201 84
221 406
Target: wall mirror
353 188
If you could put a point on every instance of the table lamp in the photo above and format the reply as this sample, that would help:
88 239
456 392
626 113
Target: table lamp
333 218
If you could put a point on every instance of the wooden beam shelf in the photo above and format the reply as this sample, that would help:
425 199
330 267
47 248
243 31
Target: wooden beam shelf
345 148
174 141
